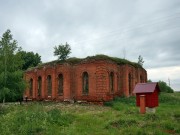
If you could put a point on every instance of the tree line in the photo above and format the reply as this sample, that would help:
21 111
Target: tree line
14 61
163 86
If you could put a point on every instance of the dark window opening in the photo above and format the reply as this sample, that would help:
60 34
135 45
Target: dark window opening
31 87
60 84
39 85
85 82
49 85
129 80
111 81
119 83
141 79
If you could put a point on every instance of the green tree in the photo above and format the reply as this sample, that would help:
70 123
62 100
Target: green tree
149 80
30 59
62 51
140 60
12 84
164 87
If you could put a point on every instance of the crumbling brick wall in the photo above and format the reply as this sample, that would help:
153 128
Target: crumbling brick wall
101 87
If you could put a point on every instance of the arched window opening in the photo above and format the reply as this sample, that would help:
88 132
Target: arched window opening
119 83
49 85
39 85
60 84
141 79
85 82
111 82
129 80
31 87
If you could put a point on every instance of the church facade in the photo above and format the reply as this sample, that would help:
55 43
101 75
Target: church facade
89 80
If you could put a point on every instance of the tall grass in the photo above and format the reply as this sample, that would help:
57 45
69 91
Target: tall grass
120 116
166 119
33 119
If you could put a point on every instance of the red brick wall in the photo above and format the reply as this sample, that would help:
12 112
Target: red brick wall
98 76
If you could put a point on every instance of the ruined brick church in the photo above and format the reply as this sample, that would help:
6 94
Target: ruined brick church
93 79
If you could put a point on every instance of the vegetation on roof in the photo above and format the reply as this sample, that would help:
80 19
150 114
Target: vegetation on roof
117 60
75 60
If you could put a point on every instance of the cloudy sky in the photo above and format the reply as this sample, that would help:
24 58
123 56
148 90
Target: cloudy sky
120 28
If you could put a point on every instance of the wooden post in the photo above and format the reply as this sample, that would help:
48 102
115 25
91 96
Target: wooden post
142 104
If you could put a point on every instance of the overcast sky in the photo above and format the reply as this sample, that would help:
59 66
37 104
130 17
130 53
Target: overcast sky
120 28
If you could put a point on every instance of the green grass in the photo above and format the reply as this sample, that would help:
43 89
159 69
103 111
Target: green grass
120 116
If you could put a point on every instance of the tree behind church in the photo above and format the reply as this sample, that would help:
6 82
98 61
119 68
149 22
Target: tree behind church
11 74
164 87
30 59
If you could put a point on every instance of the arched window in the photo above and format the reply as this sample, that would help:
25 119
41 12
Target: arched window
141 79
85 82
60 84
111 81
49 85
39 85
31 87
129 80
119 83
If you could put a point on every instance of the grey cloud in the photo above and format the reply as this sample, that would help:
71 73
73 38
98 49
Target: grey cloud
143 27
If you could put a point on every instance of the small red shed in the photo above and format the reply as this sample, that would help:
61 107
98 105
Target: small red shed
150 90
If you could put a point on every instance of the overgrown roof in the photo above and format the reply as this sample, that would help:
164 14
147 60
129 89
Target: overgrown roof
75 60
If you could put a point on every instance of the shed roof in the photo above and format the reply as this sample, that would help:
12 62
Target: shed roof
145 87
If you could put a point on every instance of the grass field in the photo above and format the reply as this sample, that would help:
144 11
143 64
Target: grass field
119 117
